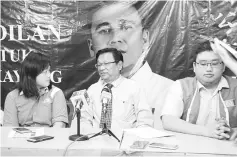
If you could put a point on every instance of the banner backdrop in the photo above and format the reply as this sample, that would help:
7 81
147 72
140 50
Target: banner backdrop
61 29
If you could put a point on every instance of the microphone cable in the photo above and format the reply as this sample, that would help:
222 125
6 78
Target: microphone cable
65 151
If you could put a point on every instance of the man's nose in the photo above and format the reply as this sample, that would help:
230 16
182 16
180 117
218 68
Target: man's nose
116 38
209 67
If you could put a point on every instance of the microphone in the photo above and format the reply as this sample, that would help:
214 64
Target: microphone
78 99
106 97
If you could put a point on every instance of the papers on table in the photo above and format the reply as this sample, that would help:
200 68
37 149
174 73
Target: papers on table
35 132
147 132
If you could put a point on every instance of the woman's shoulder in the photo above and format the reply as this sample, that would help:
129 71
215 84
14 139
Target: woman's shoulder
54 90
14 93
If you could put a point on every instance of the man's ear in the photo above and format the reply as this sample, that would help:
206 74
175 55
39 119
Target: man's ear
223 68
146 39
120 63
90 46
194 67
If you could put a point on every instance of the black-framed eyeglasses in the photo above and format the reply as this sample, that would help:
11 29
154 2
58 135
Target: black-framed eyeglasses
104 64
204 64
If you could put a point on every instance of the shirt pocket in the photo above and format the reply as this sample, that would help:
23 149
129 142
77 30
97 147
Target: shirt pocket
118 107
126 110
24 109
44 111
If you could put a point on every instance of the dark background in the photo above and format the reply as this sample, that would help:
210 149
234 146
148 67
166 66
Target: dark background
174 34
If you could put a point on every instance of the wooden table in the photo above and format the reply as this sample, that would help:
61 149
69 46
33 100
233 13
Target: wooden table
189 145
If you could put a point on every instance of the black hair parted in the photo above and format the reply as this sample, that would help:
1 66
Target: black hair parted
31 67
117 54
205 46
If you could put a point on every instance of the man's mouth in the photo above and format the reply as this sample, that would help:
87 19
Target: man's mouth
119 49
102 73
208 75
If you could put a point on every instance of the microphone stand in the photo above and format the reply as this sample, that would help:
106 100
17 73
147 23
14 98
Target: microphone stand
105 130
78 136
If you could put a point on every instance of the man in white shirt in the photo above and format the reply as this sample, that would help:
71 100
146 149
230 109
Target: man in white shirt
203 105
129 105
119 25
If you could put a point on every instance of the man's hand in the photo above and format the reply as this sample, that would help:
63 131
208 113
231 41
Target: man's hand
220 130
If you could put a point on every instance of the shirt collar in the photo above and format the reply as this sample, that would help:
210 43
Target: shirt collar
44 91
143 74
41 91
222 84
115 83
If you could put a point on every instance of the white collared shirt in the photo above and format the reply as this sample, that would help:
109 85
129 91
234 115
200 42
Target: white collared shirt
155 87
129 106
209 102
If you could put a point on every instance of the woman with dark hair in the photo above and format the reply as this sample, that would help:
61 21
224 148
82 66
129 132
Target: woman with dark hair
35 101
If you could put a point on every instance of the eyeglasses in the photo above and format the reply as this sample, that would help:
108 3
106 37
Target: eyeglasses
214 64
104 64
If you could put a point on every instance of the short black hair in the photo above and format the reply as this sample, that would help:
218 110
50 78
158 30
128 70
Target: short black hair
95 7
205 46
31 67
117 54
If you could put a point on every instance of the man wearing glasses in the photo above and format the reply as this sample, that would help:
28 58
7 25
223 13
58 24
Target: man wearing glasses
205 104
120 25
129 105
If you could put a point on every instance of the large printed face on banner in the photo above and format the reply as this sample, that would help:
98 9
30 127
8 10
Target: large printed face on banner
119 26
208 68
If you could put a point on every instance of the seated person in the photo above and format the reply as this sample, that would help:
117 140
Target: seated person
205 104
114 17
129 105
35 102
